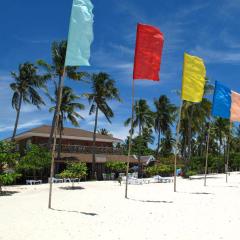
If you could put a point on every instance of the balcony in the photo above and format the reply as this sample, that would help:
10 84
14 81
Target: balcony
89 149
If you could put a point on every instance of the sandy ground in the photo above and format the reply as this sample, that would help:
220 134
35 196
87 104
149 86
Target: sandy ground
99 211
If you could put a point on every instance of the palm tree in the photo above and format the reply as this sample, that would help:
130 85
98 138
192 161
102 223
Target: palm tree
68 111
167 144
194 118
25 85
104 131
221 130
57 70
164 117
103 90
143 120
143 116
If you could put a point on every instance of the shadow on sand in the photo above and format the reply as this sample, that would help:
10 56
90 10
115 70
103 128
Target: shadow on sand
72 188
73 211
150 201
8 193
201 193
232 186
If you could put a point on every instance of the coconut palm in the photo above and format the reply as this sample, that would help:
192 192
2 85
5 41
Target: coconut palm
167 143
193 119
164 117
143 119
143 116
69 110
25 85
104 131
103 90
57 70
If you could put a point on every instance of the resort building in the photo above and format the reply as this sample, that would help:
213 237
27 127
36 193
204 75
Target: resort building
77 145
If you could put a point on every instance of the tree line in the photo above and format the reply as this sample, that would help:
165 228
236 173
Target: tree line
161 121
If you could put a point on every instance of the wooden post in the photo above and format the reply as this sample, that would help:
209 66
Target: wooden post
176 147
228 151
55 137
206 162
130 142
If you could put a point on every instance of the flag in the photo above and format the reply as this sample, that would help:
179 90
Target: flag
221 101
80 34
193 81
235 107
148 52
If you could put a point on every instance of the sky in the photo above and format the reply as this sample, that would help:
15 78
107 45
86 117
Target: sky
208 29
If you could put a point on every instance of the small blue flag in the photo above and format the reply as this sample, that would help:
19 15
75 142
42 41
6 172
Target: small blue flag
221 101
80 34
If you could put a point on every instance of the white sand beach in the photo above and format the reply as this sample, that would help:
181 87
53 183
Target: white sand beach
99 211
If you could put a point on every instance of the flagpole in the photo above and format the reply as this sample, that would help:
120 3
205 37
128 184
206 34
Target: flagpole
206 162
130 142
55 137
176 147
228 150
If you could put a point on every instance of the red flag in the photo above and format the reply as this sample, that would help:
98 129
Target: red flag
148 52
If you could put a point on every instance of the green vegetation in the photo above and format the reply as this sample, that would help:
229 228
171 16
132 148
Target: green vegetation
103 91
159 169
69 111
74 170
57 70
36 159
116 166
25 88
154 122
8 161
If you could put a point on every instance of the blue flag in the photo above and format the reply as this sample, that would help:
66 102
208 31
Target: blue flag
221 101
80 34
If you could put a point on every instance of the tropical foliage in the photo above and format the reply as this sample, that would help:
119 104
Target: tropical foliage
35 159
74 170
116 166
8 160
25 89
103 91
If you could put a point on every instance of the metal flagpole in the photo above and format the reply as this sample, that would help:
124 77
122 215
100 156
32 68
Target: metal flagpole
176 147
228 151
130 142
206 162
55 137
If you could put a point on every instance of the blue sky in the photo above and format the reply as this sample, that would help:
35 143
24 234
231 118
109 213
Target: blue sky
208 29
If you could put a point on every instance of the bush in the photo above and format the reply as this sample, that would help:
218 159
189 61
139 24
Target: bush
7 179
160 169
74 170
116 166
36 159
8 160
189 173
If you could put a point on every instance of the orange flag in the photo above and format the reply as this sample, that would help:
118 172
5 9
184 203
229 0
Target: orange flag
235 107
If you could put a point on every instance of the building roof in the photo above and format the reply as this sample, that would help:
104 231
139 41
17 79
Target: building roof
68 133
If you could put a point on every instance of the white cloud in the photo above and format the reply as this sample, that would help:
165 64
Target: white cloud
30 124
217 56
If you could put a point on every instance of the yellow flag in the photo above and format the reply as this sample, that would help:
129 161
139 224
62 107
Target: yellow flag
193 81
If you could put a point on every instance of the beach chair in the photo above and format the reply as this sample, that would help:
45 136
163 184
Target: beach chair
31 182
104 175
56 180
112 176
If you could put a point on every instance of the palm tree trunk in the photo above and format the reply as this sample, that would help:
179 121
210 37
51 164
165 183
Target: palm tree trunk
55 114
158 144
60 142
139 155
190 134
17 117
59 98
94 146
